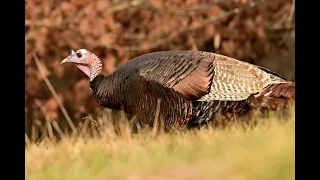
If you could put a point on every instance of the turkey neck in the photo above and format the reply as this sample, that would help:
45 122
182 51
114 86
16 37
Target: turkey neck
95 69
106 91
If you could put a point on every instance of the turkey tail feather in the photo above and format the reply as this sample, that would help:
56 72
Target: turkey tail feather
274 96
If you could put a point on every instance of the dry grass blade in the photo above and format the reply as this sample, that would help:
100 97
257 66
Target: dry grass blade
185 11
54 93
94 122
291 14
125 5
156 119
28 22
48 121
50 131
193 43
85 127
42 129
34 134
94 131
133 122
28 143
57 128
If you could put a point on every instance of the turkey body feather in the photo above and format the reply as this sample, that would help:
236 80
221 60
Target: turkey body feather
192 86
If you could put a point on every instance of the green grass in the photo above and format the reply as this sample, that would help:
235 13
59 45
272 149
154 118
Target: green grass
262 152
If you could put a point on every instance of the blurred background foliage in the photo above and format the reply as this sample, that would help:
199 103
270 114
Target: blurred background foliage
256 31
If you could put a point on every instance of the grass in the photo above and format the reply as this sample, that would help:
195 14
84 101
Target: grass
265 151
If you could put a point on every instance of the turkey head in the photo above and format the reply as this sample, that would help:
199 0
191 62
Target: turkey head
86 61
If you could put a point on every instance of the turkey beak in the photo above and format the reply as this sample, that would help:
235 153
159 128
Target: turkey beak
67 59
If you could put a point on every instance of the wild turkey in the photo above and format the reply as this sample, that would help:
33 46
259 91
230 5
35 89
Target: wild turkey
194 87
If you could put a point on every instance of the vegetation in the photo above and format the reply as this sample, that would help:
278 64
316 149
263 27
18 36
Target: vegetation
261 151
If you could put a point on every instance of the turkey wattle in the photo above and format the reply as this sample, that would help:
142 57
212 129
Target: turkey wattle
193 86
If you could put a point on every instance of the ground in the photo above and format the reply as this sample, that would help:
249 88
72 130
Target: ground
262 152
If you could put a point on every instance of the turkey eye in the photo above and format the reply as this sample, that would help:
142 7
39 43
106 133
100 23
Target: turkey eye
78 55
